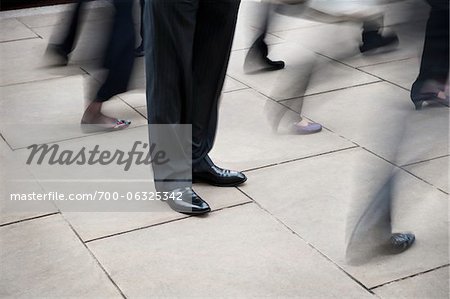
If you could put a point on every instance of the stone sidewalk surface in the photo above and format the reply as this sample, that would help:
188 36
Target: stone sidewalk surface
282 234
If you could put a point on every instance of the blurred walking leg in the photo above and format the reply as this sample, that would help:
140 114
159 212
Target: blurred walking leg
257 57
62 50
189 44
216 21
119 60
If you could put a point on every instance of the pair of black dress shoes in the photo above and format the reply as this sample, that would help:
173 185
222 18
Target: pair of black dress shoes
186 201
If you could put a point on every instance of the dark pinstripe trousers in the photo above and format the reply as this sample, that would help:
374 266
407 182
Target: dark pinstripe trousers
187 46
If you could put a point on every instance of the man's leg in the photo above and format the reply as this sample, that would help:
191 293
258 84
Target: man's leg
170 28
186 61
432 80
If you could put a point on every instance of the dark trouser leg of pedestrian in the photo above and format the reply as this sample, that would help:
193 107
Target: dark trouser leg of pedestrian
435 57
119 60
141 4
216 21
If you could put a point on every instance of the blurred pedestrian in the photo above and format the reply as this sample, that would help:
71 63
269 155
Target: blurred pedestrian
257 59
118 60
62 50
188 44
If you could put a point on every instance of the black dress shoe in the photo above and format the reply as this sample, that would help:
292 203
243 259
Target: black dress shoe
257 60
373 40
186 201
400 242
207 172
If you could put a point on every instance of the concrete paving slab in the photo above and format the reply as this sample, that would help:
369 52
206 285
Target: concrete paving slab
101 216
232 85
142 110
245 138
434 171
12 30
86 175
284 23
402 73
95 69
63 18
135 98
92 225
12 170
23 61
245 35
322 197
53 263
381 118
238 253
432 285
402 12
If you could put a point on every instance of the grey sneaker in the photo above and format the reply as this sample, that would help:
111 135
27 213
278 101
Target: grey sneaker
400 242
